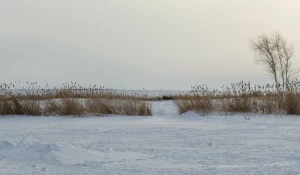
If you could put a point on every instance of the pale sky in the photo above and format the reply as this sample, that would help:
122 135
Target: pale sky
134 44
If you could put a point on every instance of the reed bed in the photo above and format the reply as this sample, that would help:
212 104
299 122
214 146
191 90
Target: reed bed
75 100
242 98
71 99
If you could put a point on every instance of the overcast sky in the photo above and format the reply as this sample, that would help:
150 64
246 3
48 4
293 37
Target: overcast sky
134 44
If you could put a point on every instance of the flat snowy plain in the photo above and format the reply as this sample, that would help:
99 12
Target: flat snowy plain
166 143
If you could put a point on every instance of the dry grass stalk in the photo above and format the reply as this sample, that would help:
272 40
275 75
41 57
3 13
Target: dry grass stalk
242 98
118 106
71 99
64 107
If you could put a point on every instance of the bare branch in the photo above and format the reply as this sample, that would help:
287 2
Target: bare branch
275 54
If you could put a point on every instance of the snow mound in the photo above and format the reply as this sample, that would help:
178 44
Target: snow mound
24 151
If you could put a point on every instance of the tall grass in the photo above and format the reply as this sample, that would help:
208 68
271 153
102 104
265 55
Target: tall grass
118 106
71 99
13 106
242 98
199 100
64 107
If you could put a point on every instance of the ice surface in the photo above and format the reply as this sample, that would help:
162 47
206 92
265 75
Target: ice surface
166 143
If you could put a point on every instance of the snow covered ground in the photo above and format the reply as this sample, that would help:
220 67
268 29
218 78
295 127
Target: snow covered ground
165 143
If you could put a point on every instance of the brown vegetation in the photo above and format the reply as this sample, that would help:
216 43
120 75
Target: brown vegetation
242 98
71 99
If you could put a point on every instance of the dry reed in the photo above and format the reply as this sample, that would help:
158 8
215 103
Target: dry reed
71 99
242 98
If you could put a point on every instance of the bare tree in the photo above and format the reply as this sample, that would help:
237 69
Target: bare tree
275 53
264 48
287 53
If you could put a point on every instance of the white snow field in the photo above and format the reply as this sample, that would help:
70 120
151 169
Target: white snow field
166 143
